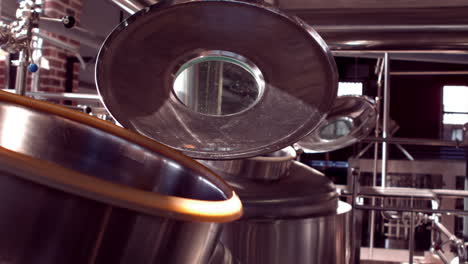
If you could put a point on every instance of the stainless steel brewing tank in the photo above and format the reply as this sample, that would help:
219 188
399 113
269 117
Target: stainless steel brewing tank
74 189
294 218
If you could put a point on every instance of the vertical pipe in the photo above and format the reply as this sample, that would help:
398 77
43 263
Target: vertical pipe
465 206
465 202
411 234
21 73
372 231
354 179
386 114
37 53
379 71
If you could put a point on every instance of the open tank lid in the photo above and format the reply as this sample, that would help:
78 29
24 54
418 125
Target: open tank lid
272 77
351 119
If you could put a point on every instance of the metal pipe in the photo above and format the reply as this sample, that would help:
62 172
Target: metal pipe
364 150
411 238
64 96
445 231
21 73
417 141
394 37
459 244
429 211
372 230
405 152
129 6
369 191
425 57
36 55
442 257
81 35
69 96
410 73
355 181
380 66
386 118
465 201
63 45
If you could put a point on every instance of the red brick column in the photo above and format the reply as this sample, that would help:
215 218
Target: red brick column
3 73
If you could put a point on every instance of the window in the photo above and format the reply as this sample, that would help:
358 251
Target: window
349 88
455 111
455 100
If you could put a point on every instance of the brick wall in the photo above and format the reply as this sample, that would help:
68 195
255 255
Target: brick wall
53 80
2 72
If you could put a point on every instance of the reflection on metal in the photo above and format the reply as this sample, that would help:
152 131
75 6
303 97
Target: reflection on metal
385 117
138 92
320 239
64 169
130 6
350 119
222 255
21 72
63 96
395 38
443 57
284 219
269 167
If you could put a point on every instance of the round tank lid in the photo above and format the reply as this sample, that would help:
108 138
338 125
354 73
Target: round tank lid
217 79
351 119
305 192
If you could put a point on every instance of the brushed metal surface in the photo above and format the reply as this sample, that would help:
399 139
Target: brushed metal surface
291 219
262 168
304 192
358 112
75 189
324 239
136 67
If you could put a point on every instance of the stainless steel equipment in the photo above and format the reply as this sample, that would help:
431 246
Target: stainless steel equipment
351 119
75 189
222 255
293 77
293 218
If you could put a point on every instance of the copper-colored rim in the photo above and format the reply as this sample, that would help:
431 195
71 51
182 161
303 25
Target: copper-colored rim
58 177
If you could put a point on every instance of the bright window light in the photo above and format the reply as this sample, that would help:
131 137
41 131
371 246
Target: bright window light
456 99
349 88
455 119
